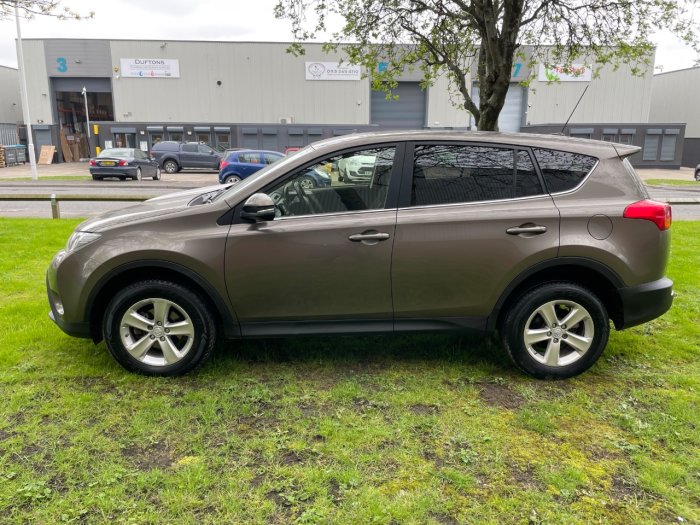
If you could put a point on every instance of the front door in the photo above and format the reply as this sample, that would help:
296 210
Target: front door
324 261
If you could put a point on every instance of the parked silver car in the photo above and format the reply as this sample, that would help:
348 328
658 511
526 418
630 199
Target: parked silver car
544 239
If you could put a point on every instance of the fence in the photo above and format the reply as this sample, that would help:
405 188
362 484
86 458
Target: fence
55 199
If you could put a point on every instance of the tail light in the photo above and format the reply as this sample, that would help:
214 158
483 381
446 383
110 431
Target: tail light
222 164
92 162
657 212
122 163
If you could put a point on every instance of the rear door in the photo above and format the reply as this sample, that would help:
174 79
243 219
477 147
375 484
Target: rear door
189 156
248 163
471 218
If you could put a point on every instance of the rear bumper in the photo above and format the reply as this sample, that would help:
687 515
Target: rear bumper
645 302
116 171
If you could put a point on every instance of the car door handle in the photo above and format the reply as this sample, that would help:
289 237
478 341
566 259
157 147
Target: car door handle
533 229
368 236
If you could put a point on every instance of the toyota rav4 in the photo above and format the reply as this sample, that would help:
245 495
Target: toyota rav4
544 239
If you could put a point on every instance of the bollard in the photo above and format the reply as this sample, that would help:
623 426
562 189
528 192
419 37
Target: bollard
55 209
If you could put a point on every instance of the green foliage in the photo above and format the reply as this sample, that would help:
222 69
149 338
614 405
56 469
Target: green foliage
419 429
481 39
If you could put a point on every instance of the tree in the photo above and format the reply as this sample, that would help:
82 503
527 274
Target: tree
483 37
31 8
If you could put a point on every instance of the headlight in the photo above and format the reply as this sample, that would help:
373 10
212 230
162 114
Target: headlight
80 239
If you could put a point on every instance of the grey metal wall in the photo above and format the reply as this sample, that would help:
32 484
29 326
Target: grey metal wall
675 98
10 100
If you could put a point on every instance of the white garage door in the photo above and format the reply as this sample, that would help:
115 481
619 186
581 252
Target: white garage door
512 112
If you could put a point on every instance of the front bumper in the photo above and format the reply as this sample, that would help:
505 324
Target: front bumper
645 302
75 329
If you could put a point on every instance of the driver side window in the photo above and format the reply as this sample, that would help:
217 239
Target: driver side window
342 183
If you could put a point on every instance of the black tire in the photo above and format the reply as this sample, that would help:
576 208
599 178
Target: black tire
157 174
563 298
170 166
138 174
697 175
196 348
95 177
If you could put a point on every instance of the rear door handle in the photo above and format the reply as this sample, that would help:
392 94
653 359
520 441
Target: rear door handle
534 229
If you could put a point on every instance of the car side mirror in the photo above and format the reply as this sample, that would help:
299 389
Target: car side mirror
258 208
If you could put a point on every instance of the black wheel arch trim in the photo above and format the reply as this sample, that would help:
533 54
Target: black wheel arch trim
590 264
230 324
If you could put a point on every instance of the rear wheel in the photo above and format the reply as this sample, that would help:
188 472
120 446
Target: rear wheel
556 330
697 175
170 166
95 177
138 174
233 179
159 328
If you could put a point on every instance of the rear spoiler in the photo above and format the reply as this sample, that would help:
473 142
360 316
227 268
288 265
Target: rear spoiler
625 150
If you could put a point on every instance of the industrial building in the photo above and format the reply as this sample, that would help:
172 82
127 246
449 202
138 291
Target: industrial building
255 94
675 97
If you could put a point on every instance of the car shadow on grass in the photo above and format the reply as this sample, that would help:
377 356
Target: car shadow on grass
464 349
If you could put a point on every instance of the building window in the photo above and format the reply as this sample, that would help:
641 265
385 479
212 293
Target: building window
668 147
203 138
626 139
651 147
175 135
223 141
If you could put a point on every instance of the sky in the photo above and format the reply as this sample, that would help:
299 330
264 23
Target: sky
232 20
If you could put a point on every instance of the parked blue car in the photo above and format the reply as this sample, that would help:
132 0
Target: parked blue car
238 165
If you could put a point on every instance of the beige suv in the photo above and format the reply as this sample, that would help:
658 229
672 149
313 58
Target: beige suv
544 239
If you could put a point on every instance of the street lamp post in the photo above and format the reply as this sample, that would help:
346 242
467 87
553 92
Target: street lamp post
25 100
87 118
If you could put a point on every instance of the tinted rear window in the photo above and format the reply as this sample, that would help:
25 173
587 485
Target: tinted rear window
563 170
448 174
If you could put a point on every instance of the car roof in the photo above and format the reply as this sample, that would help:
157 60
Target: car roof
594 148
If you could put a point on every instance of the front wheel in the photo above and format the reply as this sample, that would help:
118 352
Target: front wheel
158 328
158 174
556 330
307 183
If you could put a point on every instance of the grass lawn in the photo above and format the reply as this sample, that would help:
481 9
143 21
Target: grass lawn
400 430
671 182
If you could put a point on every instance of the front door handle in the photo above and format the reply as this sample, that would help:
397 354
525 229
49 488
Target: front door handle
369 237
532 229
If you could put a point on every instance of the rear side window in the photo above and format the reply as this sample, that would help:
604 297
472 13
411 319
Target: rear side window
249 157
447 174
190 148
562 170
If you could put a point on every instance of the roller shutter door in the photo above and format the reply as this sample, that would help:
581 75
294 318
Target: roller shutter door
512 112
408 112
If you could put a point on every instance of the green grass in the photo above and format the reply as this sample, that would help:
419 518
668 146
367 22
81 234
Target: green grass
410 430
56 177
671 182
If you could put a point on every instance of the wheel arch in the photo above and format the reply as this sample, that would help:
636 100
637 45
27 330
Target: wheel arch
590 274
163 270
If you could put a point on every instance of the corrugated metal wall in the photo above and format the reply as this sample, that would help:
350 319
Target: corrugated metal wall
8 134
675 99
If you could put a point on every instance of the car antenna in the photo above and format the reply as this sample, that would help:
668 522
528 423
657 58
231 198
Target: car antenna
572 111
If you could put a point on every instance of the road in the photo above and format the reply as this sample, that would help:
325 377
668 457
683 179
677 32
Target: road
181 182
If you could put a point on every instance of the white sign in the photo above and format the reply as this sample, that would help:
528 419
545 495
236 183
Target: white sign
332 71
150 67
143 145
570 73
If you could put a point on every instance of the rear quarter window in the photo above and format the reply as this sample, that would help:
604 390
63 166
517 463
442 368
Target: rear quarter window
563 170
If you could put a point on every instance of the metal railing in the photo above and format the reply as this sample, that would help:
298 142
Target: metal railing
55 199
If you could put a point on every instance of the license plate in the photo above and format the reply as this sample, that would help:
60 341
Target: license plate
108 163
